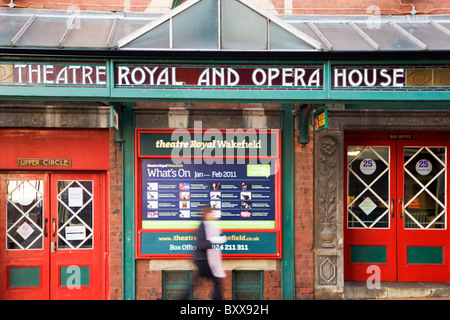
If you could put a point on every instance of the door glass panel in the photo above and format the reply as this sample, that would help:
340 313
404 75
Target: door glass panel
75 215
368 187
425 187
25 207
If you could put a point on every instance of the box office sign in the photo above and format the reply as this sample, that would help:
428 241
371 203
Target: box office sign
182 171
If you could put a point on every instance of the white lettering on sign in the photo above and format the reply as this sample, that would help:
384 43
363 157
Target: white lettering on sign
369 77
221 76
150 76
59 74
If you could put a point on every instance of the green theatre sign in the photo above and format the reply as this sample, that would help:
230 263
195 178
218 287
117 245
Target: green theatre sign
111 79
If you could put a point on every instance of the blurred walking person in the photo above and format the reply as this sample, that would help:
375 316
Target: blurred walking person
207 259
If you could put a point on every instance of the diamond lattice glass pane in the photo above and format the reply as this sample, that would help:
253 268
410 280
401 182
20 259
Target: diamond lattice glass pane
369 210
424 188
75 215
368 187
24 213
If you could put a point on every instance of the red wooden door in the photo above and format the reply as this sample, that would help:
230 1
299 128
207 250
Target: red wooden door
50 234
24 240
396 207
370 226
423 232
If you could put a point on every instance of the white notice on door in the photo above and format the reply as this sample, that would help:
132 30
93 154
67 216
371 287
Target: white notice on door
76 233
25 230
367 206
75 197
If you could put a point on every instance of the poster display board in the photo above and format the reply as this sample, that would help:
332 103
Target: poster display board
236 172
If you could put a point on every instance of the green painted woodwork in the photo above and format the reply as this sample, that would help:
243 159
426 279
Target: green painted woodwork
24 277
304 113
383 95
215 95
128 206
427 255
73 276
288 263
327 95
368 254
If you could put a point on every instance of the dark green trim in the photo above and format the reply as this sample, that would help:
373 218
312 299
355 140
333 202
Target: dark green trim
176 283
287 158
110 93
428 255
351 56
67 276
304 113
24 277
129 265
247 285
368 254
175 3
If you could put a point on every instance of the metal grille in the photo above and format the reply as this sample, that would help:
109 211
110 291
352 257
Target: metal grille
177 284
248 285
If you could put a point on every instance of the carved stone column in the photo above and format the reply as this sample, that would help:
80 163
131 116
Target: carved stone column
328 215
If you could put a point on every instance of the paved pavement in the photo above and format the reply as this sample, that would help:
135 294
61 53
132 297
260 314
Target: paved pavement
397 290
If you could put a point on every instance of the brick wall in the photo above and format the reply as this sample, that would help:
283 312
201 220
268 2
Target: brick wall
338 7
341 7
303 227
115 219
149 284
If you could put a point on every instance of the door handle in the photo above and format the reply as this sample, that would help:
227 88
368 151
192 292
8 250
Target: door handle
45 228
392 208
53 227
402 210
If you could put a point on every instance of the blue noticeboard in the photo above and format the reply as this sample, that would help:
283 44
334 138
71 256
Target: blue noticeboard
242 194
236 173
